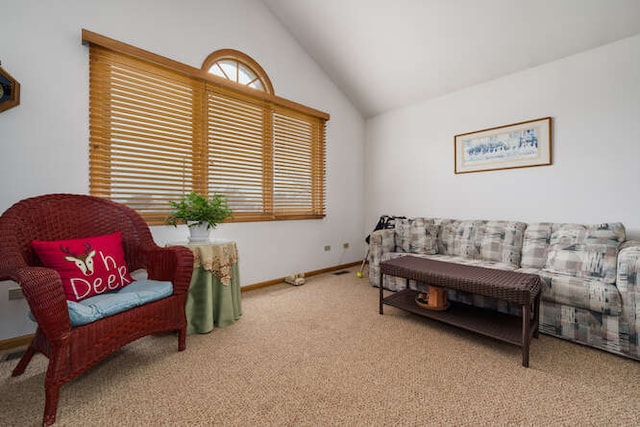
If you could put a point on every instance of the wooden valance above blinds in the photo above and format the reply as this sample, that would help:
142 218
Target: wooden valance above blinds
91 38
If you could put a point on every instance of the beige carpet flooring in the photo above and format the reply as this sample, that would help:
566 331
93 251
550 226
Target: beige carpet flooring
321 355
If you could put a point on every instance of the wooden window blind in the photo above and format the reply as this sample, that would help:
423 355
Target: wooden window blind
239 151
160 129
298 157
142 133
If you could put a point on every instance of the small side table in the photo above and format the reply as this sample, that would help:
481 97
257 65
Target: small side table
214 294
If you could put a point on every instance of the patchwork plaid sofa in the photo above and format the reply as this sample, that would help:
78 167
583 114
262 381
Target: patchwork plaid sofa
591 292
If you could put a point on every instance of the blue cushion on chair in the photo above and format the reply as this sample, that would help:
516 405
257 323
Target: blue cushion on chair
137 293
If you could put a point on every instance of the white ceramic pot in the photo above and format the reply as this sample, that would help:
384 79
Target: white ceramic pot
198 233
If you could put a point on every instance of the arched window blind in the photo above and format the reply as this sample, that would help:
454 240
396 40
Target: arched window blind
160 129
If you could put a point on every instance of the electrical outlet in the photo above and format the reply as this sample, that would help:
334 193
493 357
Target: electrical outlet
345 245
15 293
327 248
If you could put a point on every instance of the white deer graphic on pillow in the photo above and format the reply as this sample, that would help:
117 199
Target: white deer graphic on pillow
84 261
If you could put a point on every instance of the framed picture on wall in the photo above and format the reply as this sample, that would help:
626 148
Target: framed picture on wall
9 91
518 145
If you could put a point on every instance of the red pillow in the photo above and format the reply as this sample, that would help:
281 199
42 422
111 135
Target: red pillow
88 266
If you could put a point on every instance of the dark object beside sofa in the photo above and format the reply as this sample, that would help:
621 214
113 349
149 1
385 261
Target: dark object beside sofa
73 350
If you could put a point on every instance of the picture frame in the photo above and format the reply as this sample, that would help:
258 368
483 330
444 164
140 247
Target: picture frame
9 91
518 145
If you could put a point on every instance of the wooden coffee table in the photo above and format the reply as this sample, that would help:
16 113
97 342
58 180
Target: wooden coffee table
520 288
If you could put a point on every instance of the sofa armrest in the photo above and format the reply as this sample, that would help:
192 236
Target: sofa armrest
628 267
380 243
628 284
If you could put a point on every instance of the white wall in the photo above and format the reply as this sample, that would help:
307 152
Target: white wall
594 99
44 141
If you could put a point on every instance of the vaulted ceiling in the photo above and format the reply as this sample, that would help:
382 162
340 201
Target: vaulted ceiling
385 54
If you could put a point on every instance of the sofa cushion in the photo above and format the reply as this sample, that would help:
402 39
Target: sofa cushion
535 245
459 238
137 293
495 241
416 235
585 251
588 294
502 241
87 266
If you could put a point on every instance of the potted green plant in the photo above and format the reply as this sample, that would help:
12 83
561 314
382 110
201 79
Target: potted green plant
200 213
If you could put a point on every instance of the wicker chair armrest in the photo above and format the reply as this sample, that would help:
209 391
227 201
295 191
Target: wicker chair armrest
42 288
174 263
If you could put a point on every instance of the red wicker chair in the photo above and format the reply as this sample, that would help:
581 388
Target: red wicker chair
72 350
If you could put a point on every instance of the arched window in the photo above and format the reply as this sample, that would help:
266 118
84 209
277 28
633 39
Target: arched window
239 68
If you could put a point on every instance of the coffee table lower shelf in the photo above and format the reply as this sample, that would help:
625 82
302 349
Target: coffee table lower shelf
503 327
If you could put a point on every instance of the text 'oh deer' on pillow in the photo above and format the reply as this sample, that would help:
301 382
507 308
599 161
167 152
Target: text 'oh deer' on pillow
87 266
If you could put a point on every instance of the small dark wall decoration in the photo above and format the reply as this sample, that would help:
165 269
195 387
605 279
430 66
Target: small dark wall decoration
9 91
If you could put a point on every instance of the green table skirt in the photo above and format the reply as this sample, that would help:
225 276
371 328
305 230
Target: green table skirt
210 303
